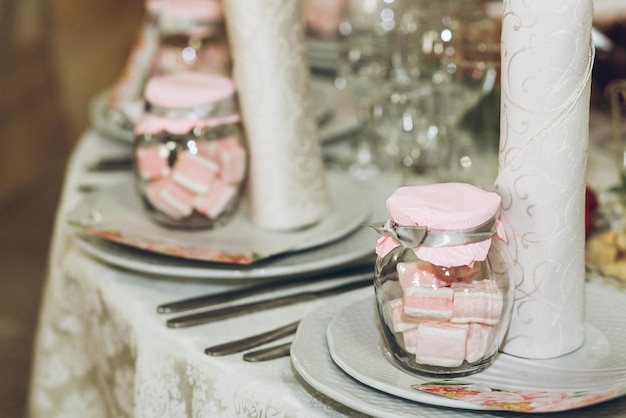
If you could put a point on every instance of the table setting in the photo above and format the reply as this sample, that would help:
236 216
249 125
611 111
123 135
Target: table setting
271 215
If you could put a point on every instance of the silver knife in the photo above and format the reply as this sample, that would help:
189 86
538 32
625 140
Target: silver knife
121 163
230 295
252 341
274 302
221 297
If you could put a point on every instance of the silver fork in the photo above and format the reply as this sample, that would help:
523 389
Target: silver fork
252 341
269 353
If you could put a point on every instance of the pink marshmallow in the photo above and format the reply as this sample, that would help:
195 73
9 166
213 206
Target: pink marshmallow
481 301
170 198
465 274
208 149
426 302
441 344
479 343
232 158
419 273
410 337
400 321
152 162
194 172
410 340
216 200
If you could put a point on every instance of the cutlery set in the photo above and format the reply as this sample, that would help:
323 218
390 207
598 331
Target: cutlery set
108 164
354 280
257 340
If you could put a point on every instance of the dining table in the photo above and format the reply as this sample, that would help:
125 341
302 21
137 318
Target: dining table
103 350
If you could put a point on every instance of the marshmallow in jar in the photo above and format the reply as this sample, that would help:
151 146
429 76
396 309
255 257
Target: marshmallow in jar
190 156
192 37
442 306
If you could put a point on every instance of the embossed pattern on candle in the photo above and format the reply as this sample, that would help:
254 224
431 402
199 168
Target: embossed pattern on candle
287 185
546 68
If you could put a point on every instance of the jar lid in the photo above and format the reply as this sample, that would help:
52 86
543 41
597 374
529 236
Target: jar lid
181 101
153 7
444 206
187 10
440 208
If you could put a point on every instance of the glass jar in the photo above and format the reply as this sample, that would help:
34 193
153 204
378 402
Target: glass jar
192 37
442 293
189 151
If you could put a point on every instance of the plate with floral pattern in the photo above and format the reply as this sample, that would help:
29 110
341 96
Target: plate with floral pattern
117 214
354 245
311 358
594 373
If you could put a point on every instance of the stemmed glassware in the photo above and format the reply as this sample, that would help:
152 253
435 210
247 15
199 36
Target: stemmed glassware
616 93
614 202
363 67
403 121
451 49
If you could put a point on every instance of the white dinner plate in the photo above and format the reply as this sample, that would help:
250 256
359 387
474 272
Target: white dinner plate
312 360
336 117
355 345
118 214
353 248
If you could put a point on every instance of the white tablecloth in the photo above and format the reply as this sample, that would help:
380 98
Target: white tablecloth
103 351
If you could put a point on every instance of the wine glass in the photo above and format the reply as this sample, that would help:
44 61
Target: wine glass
362 71
452 48
402 119
614 201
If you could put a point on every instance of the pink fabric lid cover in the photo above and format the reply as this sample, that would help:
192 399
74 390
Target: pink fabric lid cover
153 6
190 10
445 207
186 90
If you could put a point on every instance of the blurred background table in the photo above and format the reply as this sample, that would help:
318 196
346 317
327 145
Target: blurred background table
104 351
56 56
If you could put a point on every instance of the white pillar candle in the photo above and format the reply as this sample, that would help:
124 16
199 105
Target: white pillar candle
546 74
287 182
